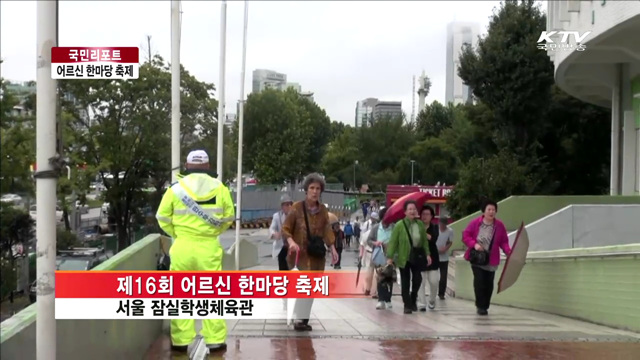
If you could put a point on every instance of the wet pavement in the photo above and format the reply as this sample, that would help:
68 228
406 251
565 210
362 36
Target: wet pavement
311 349
351 328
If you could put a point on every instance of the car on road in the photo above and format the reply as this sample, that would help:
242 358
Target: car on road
11 198
76 259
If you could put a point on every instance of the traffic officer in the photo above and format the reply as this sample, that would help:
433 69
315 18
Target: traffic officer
194 211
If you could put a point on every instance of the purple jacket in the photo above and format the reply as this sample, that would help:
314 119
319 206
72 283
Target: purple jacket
500 240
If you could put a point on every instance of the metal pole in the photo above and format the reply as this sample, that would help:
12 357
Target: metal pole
175 89
240 129
412 162
45 186
221 96
354 175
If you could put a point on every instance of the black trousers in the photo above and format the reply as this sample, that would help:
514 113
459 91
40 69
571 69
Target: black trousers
348 240
339 251
282 259
483 286
385 289
444 271
410 280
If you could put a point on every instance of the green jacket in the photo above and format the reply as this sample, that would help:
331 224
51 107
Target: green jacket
399 244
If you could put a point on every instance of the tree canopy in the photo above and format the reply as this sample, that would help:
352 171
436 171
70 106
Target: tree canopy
521 134
122 131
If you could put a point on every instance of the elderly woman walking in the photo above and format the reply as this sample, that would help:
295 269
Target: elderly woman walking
308 231
409 242
484 237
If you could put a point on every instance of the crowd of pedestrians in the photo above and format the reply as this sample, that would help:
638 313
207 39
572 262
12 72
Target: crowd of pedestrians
416 247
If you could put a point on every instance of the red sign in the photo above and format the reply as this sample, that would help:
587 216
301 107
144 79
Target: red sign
212 284
67 55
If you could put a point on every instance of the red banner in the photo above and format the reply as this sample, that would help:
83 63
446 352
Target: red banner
185 284
65 55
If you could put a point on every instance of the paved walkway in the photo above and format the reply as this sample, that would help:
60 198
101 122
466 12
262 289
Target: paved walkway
321 349
358 328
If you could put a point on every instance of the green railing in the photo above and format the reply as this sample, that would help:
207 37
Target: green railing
599 285
516 209
90 339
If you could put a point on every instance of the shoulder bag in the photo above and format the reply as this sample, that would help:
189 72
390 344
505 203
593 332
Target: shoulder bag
481 258
417 255
315 247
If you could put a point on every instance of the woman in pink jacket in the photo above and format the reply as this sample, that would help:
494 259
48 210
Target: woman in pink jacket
485 234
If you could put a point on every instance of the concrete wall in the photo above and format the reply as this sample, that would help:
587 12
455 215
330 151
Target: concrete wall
582 226
600 285
516 209
90 339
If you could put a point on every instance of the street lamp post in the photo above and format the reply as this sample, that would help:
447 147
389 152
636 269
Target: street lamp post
354 175
175 90
221 88
412 162
45 332
240 136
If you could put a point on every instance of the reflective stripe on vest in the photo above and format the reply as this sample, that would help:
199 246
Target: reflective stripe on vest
194 208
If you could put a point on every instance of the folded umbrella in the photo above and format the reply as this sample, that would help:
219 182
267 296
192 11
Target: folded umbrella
395 212
297 308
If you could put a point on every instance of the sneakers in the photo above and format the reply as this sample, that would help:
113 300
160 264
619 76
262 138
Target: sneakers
432 305
380 306
483 312
388 305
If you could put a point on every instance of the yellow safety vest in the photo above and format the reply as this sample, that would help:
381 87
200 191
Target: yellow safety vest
197 205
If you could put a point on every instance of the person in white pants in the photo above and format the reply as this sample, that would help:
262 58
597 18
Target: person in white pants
432 275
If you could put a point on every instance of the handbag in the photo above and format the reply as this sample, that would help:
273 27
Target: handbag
315 247
417 255
481 258
378 258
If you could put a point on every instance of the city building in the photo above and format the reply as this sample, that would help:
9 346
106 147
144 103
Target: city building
370 109
387 109
458 34
603 69
295 86
364 111
268 79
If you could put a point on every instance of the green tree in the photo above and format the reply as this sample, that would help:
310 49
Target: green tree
383 144
576 146
495 178
435 161
122 131
340 157
66 239
17 144
509 74
433 119
275 139
318 128
16 227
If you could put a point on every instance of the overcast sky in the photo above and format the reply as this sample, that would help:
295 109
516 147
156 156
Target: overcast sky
342 51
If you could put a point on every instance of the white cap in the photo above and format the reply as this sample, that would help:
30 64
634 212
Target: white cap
198 157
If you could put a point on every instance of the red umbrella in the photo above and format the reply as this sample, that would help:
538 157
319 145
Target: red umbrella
396 211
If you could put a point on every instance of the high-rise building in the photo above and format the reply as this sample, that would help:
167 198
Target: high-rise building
370 109
268 79
387 109
458 34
